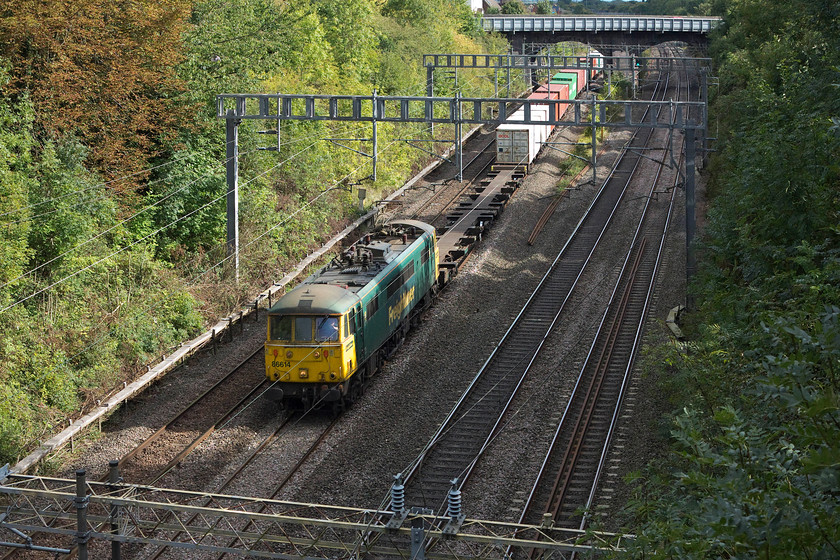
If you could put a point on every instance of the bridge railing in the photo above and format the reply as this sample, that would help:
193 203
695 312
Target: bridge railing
595 24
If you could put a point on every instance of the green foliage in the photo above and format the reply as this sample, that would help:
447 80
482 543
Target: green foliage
648 7
756 438
188 185
513 7
18 420
16 180
758 476
63 219
544 7
350 30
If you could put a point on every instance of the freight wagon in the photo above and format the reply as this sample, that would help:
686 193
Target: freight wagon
518 143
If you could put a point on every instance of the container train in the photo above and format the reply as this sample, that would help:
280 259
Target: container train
330 334
517 143
327 337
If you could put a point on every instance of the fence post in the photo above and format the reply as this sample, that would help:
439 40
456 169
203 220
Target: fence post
81 502
114 478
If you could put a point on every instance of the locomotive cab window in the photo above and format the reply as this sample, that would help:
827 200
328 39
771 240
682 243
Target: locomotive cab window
327 329
281 327
303 329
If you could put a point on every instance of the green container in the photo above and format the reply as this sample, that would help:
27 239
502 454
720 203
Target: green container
568 78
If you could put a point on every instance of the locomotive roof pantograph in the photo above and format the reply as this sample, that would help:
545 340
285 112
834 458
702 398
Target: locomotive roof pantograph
341 283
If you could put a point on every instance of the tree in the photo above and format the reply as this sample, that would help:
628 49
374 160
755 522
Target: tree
544 7
16 181
513 7
100 71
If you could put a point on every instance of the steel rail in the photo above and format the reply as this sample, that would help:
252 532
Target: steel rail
625 379
534 350
230 478
583 267
282 484
160 431
473 384
593 391
207 433
542 472
631 357
149 440
461 191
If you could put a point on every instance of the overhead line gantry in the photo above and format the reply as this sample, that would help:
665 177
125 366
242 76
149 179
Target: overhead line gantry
116 512
457 110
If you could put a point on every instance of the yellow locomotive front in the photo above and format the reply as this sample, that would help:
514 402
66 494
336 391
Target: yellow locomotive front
310 351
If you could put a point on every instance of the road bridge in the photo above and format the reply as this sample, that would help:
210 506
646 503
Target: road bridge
600 31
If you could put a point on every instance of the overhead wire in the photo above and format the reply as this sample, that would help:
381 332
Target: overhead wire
99 185
336 185
185 217
125 247
197 277
148 207
124 221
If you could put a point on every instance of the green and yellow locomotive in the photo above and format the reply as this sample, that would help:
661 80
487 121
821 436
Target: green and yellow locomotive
330 334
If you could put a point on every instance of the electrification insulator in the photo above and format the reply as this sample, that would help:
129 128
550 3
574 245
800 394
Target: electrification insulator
453 509
397 495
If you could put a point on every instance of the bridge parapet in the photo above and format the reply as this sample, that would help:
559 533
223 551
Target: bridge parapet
596 24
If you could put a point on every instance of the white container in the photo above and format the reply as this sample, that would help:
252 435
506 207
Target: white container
519 143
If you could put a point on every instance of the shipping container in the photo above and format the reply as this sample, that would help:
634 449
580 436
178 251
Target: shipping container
562 93
518 143
547 93
582 82
570 79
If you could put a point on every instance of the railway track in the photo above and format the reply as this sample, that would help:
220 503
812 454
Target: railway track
472 424
164 449
444 200
570 473
321 427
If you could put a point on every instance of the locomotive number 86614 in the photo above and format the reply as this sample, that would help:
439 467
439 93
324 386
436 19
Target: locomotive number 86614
330 334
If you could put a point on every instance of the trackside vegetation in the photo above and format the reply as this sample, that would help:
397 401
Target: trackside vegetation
754 463
112 171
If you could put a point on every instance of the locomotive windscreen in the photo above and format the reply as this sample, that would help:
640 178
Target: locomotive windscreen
302 328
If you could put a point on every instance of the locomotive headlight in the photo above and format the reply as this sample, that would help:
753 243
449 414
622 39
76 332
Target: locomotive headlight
316 354
304 374
289 354
332 375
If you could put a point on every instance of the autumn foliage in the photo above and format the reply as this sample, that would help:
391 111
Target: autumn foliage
99 70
